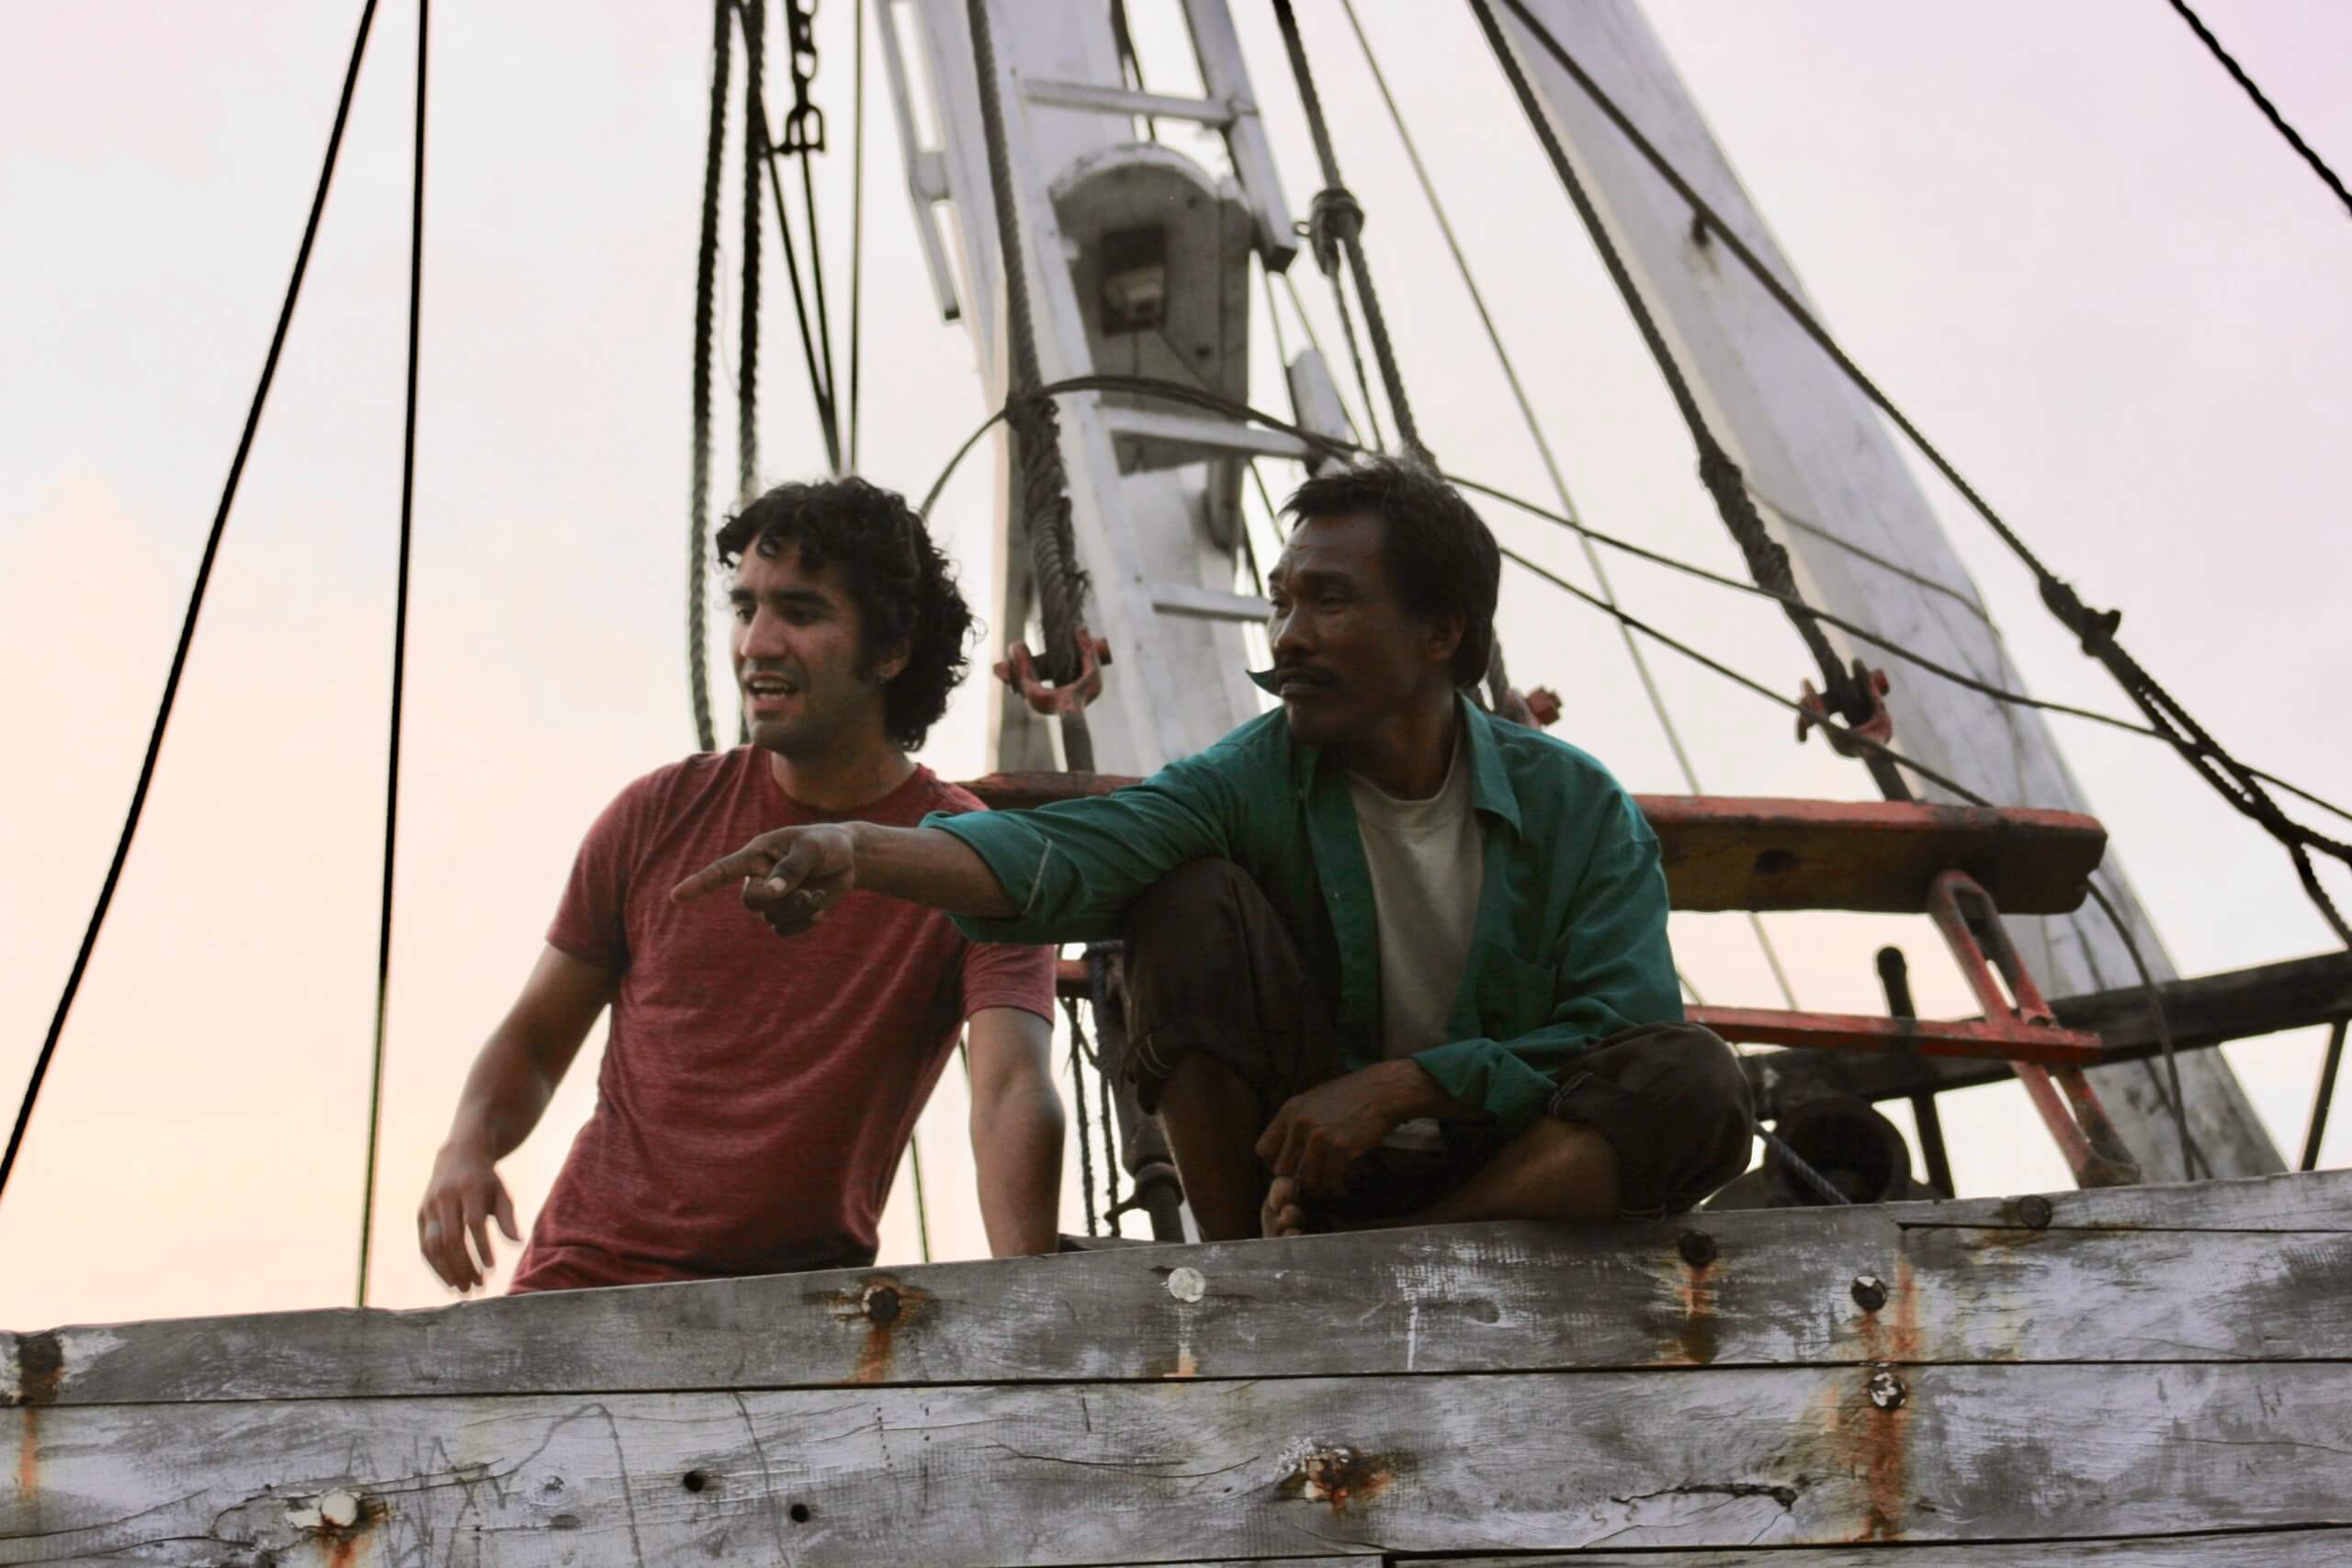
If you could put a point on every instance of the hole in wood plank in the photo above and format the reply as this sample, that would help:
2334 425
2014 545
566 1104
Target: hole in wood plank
799 1512
695 1479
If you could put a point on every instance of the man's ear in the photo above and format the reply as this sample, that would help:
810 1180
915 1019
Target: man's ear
1443 636
893 664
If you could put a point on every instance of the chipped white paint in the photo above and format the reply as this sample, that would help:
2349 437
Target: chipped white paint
1186 1284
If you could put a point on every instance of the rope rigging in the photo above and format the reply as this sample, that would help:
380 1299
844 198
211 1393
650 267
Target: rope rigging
1551 461
747 372
1176 391
706 296
1767 559
1335 229
195 605
399 660
2236 782
1035 422
2261 101
805 134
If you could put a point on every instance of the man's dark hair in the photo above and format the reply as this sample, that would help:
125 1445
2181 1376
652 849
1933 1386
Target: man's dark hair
904 590
1442 559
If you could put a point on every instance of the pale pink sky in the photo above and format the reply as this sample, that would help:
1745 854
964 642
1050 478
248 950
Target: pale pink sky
2059 234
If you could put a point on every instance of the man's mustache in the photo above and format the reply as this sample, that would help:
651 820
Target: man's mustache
1270 681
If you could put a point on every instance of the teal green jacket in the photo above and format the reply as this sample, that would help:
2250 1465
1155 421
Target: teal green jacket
1571 942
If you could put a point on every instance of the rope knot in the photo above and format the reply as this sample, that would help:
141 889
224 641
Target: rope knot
2094 627
1333 219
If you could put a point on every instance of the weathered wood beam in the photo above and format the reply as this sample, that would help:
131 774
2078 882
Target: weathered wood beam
2204 1012
1087 1473
1742 852
2230 1270
2264 1549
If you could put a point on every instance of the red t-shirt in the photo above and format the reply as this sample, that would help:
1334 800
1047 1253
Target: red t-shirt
757 1092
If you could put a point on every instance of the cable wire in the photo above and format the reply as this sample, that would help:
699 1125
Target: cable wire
747 373
2270 111
1551 461
399 661
195 603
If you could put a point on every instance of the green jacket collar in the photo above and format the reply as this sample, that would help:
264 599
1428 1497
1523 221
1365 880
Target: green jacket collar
1490 790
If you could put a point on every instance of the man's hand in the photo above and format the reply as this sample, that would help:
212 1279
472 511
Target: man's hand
790 876
1316 1135
463 1197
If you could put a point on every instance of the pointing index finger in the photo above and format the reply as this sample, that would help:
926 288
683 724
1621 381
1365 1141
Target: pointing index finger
752 862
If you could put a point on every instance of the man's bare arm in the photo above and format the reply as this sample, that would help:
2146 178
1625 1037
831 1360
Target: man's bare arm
793 874
1016 1130
505 1094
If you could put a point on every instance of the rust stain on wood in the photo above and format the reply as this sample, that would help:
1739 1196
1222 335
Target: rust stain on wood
40 1368
1336 1475
1866 1420
1696 1340
880 1306
41 1373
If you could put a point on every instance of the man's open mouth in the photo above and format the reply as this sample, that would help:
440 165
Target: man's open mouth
769 688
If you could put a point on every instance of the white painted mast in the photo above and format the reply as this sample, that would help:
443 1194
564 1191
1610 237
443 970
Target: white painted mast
1118 230
1865 544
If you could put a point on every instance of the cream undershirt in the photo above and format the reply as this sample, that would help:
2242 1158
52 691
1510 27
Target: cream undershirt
1426 863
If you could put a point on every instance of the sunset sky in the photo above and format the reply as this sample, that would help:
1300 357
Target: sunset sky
2058 234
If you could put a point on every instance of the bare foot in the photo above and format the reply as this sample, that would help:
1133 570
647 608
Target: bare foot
1282 1214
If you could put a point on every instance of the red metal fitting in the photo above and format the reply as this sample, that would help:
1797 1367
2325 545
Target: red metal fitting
1018 670
1879 727
1971 927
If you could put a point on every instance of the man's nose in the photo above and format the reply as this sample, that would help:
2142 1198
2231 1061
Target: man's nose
763 637
1287 633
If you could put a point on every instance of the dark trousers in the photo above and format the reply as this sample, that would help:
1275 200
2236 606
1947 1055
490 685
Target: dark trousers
1211 971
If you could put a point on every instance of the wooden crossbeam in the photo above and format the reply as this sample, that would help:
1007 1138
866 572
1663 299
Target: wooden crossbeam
1846 1033
1740 852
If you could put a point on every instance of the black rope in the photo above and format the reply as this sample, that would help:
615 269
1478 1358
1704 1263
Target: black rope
706 299
1336 228
856 223
400 664
187 623
2324 1097
1175 391
1085 1133
2270 111
747 373
820 389
1035 423
1767 559
2095 629
2192 1157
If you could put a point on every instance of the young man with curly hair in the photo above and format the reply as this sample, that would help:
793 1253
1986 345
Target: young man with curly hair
1389 958
755 1099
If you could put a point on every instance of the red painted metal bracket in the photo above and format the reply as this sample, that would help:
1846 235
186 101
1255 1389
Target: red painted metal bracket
1018 670
2069 1107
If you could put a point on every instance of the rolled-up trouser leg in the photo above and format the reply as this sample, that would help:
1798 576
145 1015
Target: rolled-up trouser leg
1211 971
1672 1101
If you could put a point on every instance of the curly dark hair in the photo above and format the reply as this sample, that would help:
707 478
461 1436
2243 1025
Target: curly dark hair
903 587
1441 559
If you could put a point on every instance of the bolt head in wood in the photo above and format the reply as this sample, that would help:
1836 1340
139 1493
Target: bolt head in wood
339 1510
1870 1291
1187 1285
1887 1392
2034 1210
882 1305
1698 1248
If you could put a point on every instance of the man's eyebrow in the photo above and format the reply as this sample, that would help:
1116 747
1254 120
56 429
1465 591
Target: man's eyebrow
783 598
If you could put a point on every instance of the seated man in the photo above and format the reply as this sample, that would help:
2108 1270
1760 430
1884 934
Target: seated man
755 1099
1390 959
